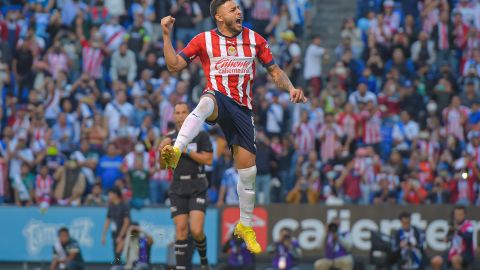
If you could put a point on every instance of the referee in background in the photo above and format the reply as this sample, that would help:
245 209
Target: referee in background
188 192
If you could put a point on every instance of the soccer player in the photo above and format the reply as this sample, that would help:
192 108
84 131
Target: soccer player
228 56
188 191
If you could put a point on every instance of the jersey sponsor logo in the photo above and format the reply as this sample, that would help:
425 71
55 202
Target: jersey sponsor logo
230 217
232 65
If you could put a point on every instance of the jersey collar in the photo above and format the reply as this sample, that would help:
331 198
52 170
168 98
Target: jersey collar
222 35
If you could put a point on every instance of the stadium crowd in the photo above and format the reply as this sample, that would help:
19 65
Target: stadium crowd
86 99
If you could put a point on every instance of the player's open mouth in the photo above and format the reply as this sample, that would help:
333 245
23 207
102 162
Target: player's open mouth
239 21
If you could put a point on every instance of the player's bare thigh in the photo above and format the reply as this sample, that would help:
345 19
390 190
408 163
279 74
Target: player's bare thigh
181 226
213 117
243 158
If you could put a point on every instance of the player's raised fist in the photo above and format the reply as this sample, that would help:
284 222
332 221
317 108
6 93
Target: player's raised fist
167 24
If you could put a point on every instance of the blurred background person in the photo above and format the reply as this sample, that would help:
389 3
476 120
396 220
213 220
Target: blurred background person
286 251
67 254
337 249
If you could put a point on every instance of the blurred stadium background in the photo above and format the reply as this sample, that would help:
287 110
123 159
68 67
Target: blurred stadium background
392 124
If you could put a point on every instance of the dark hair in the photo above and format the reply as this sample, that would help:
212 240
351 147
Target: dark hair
404 215
214 5
63 230
116 191
183 103
460 207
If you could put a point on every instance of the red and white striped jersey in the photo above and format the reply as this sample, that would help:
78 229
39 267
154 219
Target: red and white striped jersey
304 138
229 62
371 127
453 119
474 151
330 141
92 60
429 147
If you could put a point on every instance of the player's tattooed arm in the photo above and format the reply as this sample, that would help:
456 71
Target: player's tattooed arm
282 81
279 77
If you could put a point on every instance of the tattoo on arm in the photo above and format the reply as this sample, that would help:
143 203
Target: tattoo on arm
279 77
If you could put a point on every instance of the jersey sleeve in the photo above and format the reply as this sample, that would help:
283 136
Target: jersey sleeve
264 54
193 48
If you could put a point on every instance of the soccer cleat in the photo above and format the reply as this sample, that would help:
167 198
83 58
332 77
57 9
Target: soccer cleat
171 156
248 235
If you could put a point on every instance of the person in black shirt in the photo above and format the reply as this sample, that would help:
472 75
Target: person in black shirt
66 252
118 219
188 191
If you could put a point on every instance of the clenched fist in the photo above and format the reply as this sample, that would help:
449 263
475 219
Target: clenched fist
167 24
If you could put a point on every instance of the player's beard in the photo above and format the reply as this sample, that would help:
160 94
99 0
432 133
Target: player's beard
233 26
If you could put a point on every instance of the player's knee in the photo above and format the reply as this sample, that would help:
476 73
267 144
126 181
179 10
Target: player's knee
247 175
457 260
204 108
197 233
437 261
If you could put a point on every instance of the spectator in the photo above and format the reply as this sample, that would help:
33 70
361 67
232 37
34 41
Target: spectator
304 191
455 118
66 252
443 38
329 135
228 189
138 36
43 188
409 244
116 109
405 133
314 57
362 96
460 255
123 65
188 14
19 154
275 117
304 135
439 193
63 133
138 181
337 249
286 251
70 184
93 54
24 186
118 220
348 184
108 169
265 164
423 51
96 198
239 258
87 160
291 56
137 247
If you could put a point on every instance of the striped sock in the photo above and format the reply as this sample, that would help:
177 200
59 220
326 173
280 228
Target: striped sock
181 254
202 250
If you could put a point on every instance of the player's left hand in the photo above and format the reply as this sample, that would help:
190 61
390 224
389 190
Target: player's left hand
297 96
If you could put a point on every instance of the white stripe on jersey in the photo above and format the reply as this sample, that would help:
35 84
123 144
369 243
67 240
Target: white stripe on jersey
223 52
241 77
208 45
251 36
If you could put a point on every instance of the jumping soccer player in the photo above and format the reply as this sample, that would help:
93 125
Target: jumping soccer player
188 192
228 56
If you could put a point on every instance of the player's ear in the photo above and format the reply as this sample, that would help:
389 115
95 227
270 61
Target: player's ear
218 18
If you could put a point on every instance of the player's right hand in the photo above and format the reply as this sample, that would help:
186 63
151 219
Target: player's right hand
167 24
